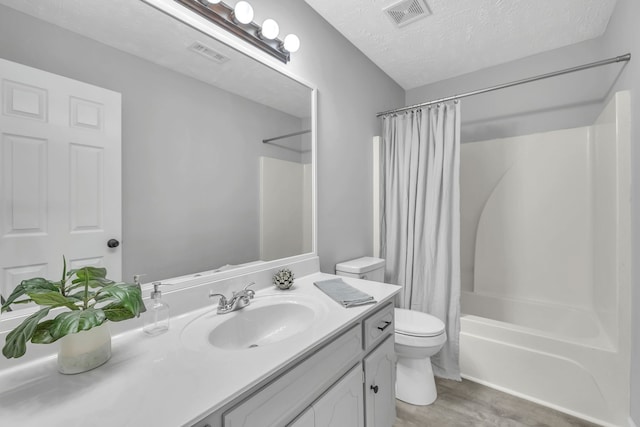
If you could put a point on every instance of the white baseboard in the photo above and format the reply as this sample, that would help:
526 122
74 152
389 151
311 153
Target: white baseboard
631 423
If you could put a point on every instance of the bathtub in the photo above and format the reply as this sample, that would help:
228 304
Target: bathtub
558 356
545 265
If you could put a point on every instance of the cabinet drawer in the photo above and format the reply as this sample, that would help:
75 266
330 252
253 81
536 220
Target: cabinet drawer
280 401
378 326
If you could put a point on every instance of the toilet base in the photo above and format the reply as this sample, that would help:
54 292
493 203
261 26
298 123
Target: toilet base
414 381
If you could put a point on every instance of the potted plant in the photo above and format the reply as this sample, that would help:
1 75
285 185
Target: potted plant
90 299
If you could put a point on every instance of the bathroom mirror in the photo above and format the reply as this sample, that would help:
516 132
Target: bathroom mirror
201 191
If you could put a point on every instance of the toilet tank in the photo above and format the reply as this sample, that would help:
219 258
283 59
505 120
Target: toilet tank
367 268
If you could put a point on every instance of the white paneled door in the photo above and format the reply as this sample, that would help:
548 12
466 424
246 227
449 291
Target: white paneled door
60 188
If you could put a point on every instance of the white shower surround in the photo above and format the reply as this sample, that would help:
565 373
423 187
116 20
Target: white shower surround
546 266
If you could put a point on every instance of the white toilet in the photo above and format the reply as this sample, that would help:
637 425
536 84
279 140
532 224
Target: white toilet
418 336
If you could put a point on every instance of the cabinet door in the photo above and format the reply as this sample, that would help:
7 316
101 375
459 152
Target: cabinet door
305 420
342 405
380 385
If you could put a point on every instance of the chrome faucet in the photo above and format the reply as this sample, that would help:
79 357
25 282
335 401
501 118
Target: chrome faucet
237 301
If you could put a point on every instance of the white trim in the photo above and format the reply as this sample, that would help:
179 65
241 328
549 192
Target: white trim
314 170
631 423
377 140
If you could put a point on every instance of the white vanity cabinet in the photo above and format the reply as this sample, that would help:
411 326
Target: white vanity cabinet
350 381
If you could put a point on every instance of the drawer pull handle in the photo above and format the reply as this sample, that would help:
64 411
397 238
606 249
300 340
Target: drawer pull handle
386 325
374 388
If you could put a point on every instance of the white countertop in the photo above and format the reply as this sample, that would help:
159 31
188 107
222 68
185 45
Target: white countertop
160 381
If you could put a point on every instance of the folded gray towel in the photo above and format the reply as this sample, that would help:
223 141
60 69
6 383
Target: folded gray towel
343 293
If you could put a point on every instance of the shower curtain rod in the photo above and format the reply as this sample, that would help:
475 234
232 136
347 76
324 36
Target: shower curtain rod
622 58
266 141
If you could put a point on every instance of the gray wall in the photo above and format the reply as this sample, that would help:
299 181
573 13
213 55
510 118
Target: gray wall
351 91
190 151
563 102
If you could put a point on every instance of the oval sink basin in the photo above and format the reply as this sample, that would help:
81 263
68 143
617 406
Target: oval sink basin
261 326
267 320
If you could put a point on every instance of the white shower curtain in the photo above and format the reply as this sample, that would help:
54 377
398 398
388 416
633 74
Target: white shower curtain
420 218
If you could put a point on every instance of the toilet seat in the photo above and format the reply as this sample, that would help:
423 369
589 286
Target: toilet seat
417 324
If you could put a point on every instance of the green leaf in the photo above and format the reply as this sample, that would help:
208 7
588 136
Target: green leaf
77 297
116 312
16 342
77 286
128 296
42 334
37 284
92 277
52 299
23 301
88 273
73 322
93 283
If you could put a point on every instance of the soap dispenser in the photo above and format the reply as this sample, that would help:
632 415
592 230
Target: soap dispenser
157 316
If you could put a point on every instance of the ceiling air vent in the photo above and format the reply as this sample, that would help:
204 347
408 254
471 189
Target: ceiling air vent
208 53
407 11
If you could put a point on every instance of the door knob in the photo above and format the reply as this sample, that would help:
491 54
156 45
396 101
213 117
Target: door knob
113 243
374 388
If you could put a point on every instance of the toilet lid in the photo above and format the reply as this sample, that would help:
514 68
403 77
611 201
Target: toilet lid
416 323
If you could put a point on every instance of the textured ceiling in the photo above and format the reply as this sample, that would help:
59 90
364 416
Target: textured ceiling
461 36
139 29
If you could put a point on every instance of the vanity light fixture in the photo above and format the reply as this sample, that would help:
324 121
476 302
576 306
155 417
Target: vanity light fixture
243 13
239 21
291 43
270 29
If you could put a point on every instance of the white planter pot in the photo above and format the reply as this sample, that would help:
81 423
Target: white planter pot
85 350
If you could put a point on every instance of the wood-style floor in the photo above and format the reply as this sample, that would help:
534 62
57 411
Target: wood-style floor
465 404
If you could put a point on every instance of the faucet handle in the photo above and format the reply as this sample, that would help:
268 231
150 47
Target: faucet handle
222 301
250 292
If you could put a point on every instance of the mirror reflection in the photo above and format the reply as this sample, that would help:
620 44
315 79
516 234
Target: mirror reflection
122 125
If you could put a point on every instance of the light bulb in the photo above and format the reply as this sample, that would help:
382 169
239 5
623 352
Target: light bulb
270 29
243 12
291 43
